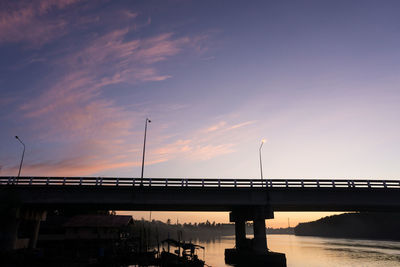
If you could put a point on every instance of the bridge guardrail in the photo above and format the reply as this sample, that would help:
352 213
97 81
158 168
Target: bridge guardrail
198 182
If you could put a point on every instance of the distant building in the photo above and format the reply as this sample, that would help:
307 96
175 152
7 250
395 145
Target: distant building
95 227
85 237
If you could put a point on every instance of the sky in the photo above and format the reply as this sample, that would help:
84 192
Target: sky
319 80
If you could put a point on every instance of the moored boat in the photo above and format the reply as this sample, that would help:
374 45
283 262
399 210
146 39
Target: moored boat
183 255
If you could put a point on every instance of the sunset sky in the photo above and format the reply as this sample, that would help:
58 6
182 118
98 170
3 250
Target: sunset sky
319 80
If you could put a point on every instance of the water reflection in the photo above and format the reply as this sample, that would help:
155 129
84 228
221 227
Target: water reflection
316 251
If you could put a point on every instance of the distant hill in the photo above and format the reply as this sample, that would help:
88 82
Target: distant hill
366 225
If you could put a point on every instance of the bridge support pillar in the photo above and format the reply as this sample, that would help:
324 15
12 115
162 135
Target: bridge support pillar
19 228
260 236
34 233
240 234
9 230
252 252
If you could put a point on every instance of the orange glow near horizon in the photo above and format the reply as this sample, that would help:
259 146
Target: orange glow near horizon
281 219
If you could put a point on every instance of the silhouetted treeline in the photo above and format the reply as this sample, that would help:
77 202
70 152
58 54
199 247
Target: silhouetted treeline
203 231
280 231
366 225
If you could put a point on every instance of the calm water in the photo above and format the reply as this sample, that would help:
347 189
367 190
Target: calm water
316 251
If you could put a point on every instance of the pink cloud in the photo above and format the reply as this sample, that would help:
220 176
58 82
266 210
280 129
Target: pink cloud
158 48
149 75
240 125
96 119
68 91
207 152
7 100
223 126
215 127
112 55
45 5
79 166
25 21
72 110
179 146
104 61
117 156
205 144
190 149
129 14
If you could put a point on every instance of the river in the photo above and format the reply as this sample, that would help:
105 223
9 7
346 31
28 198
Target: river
316 251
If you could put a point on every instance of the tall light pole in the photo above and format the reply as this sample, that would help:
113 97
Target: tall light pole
262 178
144 148
23 153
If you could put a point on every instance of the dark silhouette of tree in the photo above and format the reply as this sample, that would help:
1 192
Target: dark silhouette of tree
377 225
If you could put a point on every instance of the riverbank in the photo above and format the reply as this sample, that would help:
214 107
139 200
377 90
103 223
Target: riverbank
366 225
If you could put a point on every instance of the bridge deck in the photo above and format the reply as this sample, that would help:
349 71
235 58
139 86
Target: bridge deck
200 182
203 194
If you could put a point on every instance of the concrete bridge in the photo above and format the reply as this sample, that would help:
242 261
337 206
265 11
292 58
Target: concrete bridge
246 199
176 194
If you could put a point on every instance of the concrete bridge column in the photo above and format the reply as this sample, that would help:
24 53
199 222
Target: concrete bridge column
9 230
34 217
260 237
240 233
257 214
10 224
252 252
34 234
238 217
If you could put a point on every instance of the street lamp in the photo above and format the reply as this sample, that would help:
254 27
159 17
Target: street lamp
144 148
262 178
23 153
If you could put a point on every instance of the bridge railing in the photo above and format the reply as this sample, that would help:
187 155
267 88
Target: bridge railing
198 182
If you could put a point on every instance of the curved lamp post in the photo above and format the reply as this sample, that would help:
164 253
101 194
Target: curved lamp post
144 148
22 158
262 178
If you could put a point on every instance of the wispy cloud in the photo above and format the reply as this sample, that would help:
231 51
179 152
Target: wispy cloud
215 127
191 149
7 100
76 166
130 14
70 108
205 143
200 147
26 21
113 58
74 110
223 126
74 103
240 125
